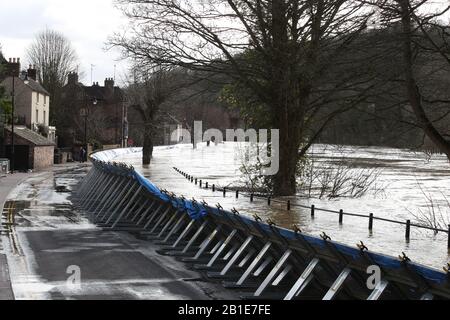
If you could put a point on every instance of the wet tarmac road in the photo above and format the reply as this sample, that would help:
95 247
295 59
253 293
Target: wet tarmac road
49 246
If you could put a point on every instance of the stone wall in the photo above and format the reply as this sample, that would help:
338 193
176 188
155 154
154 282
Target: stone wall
43 157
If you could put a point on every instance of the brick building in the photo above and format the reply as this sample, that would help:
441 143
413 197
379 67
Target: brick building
31 150
94 113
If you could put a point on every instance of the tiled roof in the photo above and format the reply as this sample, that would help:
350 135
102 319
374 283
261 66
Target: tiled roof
31 136
102 93
36 87
33 85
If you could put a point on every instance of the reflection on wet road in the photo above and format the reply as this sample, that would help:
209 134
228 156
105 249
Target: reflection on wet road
402 172
48 241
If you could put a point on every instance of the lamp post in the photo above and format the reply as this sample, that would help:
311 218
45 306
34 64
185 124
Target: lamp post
84 112
13 95
124 142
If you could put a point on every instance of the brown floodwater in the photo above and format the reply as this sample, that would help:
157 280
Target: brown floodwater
406 182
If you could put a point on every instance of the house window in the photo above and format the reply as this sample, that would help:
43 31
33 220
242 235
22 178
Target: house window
45 101
37 97
45 117
37 116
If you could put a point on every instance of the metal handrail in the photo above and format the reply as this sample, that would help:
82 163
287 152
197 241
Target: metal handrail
288 204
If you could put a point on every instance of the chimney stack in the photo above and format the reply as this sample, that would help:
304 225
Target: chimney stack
13 67
109 83
72 78
32 73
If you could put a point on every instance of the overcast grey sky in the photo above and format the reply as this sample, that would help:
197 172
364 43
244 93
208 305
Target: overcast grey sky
86 23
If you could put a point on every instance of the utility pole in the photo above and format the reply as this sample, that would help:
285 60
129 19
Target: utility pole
12 122
122 143
85 130
92 73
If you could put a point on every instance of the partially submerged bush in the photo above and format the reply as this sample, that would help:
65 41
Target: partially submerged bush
315 179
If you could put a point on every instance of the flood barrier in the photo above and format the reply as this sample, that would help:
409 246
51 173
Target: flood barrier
258 259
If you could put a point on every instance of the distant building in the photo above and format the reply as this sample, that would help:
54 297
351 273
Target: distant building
93 113
32 101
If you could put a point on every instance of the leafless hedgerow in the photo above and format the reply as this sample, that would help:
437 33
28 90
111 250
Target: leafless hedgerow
434 215
316 180
251 166
337 180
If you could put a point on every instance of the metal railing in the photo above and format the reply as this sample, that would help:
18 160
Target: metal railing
289 205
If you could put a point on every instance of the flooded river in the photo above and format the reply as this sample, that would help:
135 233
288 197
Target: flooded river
407 184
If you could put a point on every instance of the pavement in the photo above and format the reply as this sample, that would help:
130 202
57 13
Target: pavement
7 184
50 250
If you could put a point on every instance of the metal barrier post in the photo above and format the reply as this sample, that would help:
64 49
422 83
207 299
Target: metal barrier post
408 230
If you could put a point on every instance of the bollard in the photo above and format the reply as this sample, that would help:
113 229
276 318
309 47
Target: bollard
268 201
371 221
313 209
206 185
408 229
201 183
341 216
251 197
289 205
214 188
237 194
224 191
196 181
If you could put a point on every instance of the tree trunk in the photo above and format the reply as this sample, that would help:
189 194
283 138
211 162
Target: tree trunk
147 151
283 113
284 183
414 95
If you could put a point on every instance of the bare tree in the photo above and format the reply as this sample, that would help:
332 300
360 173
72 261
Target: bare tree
54 56
413 90
279 50
417 39
148 92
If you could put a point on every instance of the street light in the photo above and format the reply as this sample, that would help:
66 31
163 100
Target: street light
84 112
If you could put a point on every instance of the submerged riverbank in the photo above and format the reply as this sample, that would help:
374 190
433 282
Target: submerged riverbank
403 175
